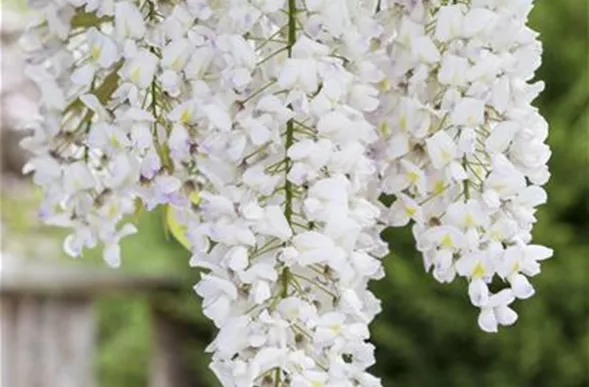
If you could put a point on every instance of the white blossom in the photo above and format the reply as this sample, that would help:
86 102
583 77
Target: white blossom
267 130
470 178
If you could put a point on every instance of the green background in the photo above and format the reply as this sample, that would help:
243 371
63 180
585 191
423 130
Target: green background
427 333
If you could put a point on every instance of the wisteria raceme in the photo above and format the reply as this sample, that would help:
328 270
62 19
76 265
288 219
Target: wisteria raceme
268 129
464 153
283 172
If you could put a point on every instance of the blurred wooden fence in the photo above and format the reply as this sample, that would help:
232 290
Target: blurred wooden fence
48 326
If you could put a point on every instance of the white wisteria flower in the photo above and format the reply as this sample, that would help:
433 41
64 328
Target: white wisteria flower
464 156
268 130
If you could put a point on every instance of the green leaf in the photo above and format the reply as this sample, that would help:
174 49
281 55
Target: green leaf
173 227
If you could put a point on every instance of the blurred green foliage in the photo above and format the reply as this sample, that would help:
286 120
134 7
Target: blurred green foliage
427 333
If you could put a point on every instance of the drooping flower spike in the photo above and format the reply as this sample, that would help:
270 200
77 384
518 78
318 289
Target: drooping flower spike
268 129
464 152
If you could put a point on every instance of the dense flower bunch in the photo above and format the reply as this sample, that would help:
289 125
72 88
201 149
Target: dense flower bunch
268 129
464 154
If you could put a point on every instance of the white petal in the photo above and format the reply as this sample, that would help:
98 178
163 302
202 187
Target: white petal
469 112
252 211
126 230
83 76
261 292
311 240
487 320
506 315
457 171
274 223
478 292
129 20
521 287
503 297
501 137
491 199
289 74
71 246
218 310
112 255
398 146
218 117
538 252
237 258
532 196
441 149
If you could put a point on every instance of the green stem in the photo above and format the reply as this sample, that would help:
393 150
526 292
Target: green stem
466 185
277 52
292 36
274 35
88 19
162 149
254 95
288 188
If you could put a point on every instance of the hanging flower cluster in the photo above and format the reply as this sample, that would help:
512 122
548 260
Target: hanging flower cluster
268 130
463 149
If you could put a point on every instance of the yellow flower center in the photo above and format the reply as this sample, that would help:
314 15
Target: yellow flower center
413 177
469 221
95 53
439 187
446 156
176 64
403 122
114 141
186 116
336 329
410 211
384 85
479 271
385 129
194 197
496 236
516 267
113 211
136 75
447 241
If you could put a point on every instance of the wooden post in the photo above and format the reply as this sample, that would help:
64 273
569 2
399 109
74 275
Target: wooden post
47 341
47 331
169 365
